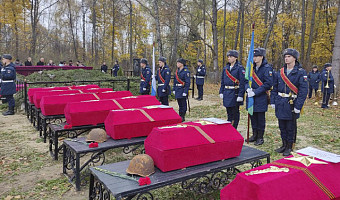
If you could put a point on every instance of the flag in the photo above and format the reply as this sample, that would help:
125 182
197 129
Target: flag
249 73
153 82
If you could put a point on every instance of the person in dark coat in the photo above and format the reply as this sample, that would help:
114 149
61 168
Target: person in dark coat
163 77
327 87
28 62
289 93
146 75
103 68
115 69
260 88
200 75
41 62
313 80
232 87
181 86
7 82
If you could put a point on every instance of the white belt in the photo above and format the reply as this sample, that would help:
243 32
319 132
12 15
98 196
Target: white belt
231 87
161 84
179 85
199 76
9 81
141 80
287 95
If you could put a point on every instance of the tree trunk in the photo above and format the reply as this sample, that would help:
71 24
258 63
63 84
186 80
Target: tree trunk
113 32
16 53
34 10
94 32
158 28
224 25
270 29
130 36
238 24
311 34
266 12
214 32
176 36
84 24
71 29
286 29
205 34
336 54
241 34
303 32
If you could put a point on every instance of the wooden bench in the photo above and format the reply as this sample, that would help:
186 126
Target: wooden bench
57 131
201 178
45 121
74 149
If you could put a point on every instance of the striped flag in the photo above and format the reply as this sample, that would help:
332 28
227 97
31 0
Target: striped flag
249 73
153 82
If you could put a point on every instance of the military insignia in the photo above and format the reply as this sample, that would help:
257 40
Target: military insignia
8 71
270 73
147 72
167 73
188 74
305 78
243 72
185 70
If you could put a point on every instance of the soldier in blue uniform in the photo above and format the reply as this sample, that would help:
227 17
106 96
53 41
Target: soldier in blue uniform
200 74
181 86
103 68
313 80
145 77
327 84
289 93
7 82
261 85
115 69
232 87
163 77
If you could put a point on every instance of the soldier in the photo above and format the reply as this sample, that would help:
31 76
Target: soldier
181 86
115 69
313 80
103 68
262 83
200 74
146 77
163 77
327 84
232 87
7 82
289 93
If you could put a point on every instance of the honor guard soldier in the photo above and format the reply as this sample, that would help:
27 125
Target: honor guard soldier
233 87
200 74
260 91
7 82
313 80
181 86
115 69
146 77
327 84
163 77
289 93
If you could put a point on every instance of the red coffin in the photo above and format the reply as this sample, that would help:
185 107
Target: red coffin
95 112
31 91
55 105
138 122
192 143
320 182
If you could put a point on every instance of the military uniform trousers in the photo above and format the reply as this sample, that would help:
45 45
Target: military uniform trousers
182 104
10 100
234 115
164 100
310 92
258 121
325 99
287 129
200 91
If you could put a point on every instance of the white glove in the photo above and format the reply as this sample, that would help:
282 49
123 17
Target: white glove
199 70
296 111
221 96
103 71
144 89
163 90
174 92
184 94
250 93
249 89
239 99
273 106
194 76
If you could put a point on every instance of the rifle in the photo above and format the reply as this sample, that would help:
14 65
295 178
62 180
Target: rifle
291 101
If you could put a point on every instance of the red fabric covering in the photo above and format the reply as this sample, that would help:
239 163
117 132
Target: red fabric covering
31 91
180 147
130 123
292 185
40 94
95 112
55 105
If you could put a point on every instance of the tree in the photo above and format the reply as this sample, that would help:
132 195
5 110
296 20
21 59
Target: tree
336 54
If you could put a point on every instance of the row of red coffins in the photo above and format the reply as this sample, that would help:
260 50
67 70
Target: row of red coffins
32 91
55 105
287 179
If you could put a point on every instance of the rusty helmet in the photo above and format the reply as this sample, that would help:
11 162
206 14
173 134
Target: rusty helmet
96 135
141 165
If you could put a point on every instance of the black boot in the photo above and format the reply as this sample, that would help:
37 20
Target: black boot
182 116
282 148
10 111
259 140
253 138
288 149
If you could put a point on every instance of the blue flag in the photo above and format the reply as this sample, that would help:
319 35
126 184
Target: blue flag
153 82
249 74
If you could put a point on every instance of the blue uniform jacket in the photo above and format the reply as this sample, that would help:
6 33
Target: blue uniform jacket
265 74
166 74
115 70
146 73
183 75
298 77
230 95
324 76
314 79
200 74
8 77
